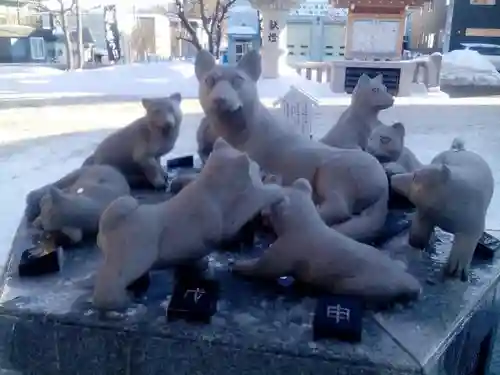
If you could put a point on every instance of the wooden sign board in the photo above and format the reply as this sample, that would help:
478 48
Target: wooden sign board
299 110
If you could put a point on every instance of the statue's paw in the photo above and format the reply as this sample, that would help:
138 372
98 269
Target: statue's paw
457 267
159 183
33 204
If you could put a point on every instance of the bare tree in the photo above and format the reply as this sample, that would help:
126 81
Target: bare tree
65 7
212 20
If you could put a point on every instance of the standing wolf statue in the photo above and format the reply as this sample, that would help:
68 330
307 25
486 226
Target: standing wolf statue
350 186
355 125
453 193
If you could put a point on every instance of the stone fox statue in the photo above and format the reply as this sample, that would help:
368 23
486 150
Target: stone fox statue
74 204
350 186
136 149
227 194
386 143
355 125
453 193
315 254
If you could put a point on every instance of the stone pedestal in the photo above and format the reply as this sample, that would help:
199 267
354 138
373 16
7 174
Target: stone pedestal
48 326
274 43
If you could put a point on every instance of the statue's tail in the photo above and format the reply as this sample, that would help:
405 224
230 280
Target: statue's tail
458 144
367 225
116 212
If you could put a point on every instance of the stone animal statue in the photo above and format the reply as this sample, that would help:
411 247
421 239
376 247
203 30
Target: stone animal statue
355 125
227 194
205 138
74 204
136 149
315 254
453 193
386 143
350 186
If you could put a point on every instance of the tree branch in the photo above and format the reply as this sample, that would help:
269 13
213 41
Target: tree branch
205 23
185 22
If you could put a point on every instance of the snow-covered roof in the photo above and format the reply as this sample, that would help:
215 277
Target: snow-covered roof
241 30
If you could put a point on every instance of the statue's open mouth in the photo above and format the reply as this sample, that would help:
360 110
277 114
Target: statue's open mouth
234 121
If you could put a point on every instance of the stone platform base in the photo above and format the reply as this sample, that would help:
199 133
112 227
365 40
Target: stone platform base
48 326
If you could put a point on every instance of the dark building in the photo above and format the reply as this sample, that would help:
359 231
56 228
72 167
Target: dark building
24 44
473 21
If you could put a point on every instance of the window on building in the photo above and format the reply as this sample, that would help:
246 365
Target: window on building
37 47
242 47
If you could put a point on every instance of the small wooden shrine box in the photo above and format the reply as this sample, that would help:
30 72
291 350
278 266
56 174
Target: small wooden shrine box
375 28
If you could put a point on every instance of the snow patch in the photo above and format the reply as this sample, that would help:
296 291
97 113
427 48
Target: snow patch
467 67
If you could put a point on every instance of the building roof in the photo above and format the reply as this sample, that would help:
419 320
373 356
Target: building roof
19 31
241 30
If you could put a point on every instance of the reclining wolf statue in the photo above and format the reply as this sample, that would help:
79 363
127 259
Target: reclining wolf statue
350 186
227 194
73 206
320 256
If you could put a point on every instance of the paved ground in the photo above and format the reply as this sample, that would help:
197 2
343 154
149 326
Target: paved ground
37 145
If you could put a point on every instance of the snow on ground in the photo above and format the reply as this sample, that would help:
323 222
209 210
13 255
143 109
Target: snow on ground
134 80
466 67
163 78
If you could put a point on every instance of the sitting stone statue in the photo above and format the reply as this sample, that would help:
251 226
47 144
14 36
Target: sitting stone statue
74 205
136 149
386 143
318 255
227 194
453 193
355 125
350 186
205 138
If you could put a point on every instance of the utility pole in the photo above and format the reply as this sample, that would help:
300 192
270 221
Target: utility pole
79 33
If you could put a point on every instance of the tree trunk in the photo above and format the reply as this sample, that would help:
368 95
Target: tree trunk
79 32
67 40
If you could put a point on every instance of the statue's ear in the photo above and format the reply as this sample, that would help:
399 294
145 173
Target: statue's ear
364 80
204 63
399 128
303 185
251 64
378 79
220 143
146 103
56 195
176 97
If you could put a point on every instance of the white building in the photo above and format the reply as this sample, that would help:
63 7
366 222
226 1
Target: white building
316 32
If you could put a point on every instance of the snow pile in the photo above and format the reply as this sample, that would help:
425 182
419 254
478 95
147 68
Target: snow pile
467 67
